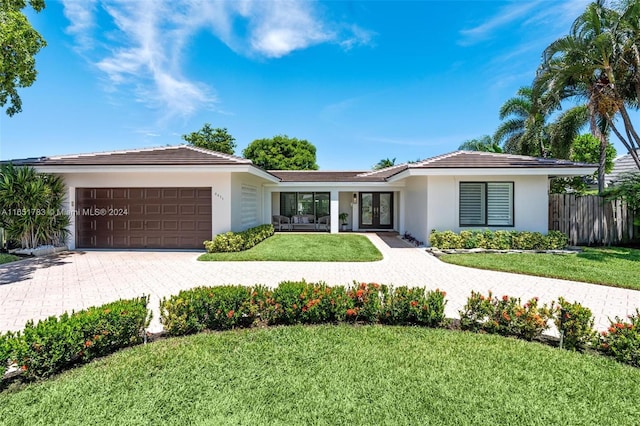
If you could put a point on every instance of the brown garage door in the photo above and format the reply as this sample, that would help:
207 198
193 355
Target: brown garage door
143 217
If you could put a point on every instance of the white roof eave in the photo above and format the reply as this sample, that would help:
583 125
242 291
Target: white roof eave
524 171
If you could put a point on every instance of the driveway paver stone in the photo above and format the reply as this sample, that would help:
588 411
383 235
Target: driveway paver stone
40 287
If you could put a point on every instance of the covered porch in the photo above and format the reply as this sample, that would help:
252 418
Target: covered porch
323 209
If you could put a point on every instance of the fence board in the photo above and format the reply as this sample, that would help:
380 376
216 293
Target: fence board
589 220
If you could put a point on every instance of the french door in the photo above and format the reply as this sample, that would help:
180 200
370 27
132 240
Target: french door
376 210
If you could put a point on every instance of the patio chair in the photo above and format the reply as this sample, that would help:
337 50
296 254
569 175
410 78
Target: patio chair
280 222
325 222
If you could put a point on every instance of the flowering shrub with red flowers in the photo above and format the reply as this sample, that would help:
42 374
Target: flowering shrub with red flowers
296 302
575 323
505 316
56 343
404 305
622 340
365 302
213 308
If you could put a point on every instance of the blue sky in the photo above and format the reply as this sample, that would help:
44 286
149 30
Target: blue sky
361 80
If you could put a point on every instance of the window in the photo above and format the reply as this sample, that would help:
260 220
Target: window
486 203
313 203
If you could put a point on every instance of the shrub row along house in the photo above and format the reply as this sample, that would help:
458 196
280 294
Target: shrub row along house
179 196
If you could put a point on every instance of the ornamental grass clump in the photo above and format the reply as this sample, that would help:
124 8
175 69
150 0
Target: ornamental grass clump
622 340
505 316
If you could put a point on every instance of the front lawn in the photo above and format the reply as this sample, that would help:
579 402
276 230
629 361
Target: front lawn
306 248
6 258
613 266
334 375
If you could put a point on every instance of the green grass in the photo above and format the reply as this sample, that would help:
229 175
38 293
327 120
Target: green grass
6 258
306 248
615 266
334 375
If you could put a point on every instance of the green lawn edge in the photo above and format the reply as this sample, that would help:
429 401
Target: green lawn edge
334 374
305 248
7 258
609 266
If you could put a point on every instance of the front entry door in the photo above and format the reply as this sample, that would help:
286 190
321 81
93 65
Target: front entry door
376 210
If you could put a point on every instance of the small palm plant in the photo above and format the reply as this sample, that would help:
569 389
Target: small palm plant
32 207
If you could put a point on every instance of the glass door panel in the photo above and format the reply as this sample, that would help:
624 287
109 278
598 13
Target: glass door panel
366 209
385 209
376 210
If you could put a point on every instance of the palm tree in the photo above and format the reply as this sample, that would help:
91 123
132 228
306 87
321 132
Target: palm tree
384 163
527 131
595 63
523 132
484 143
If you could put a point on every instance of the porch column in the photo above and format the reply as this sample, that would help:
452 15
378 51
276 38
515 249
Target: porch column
71 210
266 205
335 211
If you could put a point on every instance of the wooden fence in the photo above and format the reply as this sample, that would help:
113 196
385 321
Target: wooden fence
589 220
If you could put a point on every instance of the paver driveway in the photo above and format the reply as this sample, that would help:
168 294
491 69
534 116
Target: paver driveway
37 288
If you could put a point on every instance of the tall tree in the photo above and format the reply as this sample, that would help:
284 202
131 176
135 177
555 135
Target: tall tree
19 43
217 139
484 143
584 149
524 131
384 163
282 153
598 61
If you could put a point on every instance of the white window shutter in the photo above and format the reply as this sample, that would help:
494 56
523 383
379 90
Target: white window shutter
472 203
500 203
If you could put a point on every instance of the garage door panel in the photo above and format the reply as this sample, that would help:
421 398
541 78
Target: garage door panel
154 218
170 225
187 210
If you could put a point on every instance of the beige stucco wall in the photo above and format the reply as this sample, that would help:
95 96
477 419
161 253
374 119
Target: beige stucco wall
415 207
530 202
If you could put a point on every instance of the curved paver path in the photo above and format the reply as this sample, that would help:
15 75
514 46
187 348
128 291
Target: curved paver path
37 288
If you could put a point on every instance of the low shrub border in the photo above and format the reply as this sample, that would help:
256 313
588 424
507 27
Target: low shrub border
505 316
239 241
498 240
57 343
299 302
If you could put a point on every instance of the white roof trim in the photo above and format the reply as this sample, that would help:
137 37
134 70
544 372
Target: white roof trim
240 168
501 171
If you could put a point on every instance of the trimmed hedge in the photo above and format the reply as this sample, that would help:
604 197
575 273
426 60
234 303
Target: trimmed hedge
575 323
622 340
5 352
498 240
505 316
57 343
239 241
299 302
212 308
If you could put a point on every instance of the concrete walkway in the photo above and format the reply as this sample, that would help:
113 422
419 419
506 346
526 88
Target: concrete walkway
38 288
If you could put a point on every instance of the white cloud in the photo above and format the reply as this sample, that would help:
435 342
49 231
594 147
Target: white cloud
507 15
145 50
81 15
